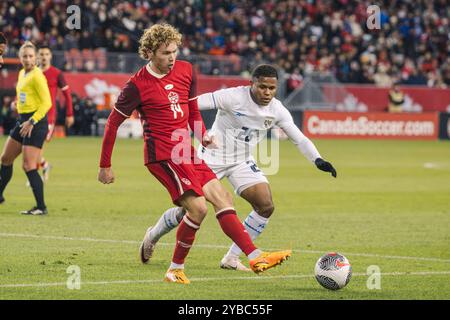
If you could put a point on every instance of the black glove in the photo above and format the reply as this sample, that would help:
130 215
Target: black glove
325 166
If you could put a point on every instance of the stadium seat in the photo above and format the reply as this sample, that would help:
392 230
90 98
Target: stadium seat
75 58
100 58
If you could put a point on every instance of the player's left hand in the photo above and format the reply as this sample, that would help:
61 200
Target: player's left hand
325 166
69 121
209 142
26 129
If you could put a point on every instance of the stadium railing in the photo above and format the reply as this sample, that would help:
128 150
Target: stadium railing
99 60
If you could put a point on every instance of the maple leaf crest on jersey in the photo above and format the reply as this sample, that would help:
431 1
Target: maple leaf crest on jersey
173 97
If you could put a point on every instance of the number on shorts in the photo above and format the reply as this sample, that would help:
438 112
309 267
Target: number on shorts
253 166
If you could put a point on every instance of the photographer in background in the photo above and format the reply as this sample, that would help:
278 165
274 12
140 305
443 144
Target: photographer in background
396 99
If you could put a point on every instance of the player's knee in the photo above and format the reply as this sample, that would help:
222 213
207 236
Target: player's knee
220 197
29 166
6 161
265 209
200 212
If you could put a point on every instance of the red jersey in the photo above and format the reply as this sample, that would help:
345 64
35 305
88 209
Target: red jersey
55 80
166 104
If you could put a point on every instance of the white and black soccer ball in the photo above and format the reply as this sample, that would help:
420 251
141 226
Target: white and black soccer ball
333 271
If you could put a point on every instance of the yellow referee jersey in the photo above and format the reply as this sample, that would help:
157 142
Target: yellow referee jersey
33 94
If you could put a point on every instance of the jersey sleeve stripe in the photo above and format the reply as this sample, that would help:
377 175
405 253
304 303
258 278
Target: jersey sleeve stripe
190 99
121 112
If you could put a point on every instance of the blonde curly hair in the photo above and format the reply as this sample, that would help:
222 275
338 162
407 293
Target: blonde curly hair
27 44
155 36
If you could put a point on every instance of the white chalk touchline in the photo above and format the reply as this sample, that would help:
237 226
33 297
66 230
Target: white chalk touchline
210 246
262 277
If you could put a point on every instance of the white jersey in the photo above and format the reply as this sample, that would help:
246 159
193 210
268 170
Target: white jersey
241 124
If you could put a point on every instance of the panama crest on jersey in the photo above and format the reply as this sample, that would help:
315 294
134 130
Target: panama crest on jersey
174 105
268 123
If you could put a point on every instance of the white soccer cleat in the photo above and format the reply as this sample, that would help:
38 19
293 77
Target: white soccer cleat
147 247
233 263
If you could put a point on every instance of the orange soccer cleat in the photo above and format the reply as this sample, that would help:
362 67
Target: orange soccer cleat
268 260
176 276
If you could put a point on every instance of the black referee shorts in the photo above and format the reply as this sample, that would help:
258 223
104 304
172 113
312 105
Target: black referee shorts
38 133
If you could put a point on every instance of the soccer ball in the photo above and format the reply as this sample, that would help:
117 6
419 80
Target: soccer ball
333 271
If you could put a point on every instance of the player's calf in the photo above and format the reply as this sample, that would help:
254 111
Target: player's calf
265 210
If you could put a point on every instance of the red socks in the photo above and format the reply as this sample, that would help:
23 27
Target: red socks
185 237
233 228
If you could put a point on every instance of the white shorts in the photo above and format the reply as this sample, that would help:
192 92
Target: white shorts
241 175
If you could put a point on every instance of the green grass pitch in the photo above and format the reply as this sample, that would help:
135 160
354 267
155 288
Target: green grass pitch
389 207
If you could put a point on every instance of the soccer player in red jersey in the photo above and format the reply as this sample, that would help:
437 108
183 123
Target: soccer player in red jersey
163 92
55 80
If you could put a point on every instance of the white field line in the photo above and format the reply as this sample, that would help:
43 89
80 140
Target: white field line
209 246
262 278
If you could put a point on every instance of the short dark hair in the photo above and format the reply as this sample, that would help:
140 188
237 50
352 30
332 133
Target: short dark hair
2 38
265 70
44 46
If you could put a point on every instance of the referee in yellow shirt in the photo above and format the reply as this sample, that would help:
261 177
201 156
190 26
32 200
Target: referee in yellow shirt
28 136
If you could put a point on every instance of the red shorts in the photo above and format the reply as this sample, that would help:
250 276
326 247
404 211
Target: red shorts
179 178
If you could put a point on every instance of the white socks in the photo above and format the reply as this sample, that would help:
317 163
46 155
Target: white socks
174 265
255 254
254 224
169 220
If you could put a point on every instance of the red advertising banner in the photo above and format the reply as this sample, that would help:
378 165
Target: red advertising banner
104 88
369 98
86 84
357 125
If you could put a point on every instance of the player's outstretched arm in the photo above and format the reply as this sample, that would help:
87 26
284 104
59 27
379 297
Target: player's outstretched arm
325 166
196 122
303 144
105 174
128 100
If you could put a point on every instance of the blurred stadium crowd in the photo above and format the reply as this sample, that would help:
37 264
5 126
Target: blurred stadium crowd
301 36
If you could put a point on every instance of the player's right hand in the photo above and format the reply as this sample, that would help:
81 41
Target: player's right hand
106 175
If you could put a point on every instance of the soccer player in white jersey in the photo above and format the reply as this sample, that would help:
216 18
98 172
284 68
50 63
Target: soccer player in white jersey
244 116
